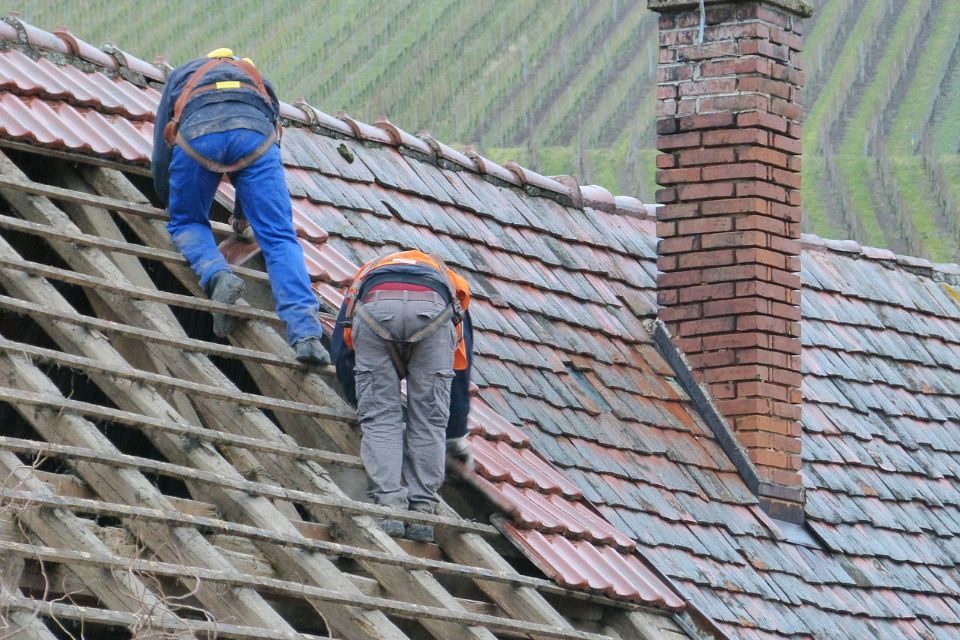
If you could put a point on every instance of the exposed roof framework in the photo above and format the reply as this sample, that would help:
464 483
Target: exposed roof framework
157 481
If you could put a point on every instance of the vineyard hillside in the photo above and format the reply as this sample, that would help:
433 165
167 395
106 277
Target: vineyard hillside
567 87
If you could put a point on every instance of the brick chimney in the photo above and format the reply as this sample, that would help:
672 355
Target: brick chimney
728 127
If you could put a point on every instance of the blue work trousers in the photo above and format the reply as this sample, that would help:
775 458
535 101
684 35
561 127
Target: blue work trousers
263 196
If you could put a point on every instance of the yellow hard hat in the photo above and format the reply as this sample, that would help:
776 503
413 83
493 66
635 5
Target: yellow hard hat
222 52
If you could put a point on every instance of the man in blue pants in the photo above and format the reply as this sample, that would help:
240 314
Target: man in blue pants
218 116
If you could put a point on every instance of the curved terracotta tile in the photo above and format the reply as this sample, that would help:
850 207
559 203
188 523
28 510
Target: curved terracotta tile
521 467
582 565
19 120
130 140
340 270
75 130
307 228
329 295
316 268
494 465
20 73
547 478
76 82
485 420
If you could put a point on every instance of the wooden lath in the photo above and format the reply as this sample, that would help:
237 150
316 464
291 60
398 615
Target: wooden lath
307 388
61 404
57 425
30 608
120 329
213 525
234 579
18 182
102 285
128 484
116 246
123 591
200 478
353 623
208 391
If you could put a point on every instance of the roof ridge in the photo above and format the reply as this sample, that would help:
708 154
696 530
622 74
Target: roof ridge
382 131
63 42
919 266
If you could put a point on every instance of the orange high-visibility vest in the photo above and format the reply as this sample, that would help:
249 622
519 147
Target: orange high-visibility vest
458 287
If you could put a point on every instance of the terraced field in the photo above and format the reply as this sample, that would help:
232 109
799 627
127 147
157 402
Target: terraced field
568 87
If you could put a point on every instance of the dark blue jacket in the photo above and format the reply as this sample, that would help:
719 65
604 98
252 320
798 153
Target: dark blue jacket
343 356
208 112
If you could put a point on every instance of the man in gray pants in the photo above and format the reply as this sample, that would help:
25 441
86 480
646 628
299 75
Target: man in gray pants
405 318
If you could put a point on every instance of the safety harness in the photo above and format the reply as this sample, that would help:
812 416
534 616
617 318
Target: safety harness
400 348
171 133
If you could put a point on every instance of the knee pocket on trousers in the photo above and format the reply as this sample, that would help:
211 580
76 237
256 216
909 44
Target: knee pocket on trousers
363 380
440 411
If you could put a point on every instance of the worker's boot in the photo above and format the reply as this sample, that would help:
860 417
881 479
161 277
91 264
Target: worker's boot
420 532
311 351
227 288
392 527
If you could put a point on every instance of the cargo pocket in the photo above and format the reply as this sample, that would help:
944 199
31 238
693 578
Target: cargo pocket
363 378
440 411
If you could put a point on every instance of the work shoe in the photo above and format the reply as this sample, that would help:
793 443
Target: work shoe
393 528
419 532
227 288
311 351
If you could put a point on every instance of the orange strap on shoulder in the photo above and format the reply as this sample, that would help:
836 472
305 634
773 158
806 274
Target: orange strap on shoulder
254 75
192 88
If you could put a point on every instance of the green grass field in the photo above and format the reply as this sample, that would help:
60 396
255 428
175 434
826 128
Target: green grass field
568 87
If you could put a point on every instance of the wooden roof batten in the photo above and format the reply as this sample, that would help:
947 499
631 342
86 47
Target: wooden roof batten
226 444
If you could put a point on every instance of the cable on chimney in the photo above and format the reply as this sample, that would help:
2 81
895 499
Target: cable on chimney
703 22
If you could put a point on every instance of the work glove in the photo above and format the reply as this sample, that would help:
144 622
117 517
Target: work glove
459 456
241 227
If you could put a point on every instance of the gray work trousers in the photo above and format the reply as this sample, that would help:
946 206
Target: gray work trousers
395 454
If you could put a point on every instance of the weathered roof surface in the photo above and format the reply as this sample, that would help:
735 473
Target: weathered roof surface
567 372
354 194
571 286
881 358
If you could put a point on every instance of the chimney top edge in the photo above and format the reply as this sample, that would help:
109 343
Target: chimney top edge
799 8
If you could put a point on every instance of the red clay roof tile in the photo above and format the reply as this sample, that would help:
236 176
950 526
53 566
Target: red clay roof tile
499 461
882 340
604 569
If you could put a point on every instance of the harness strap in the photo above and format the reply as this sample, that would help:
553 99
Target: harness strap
171 130
433 326
445 273
401 354
217 167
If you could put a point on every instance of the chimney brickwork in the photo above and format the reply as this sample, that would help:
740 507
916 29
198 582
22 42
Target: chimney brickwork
729 129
